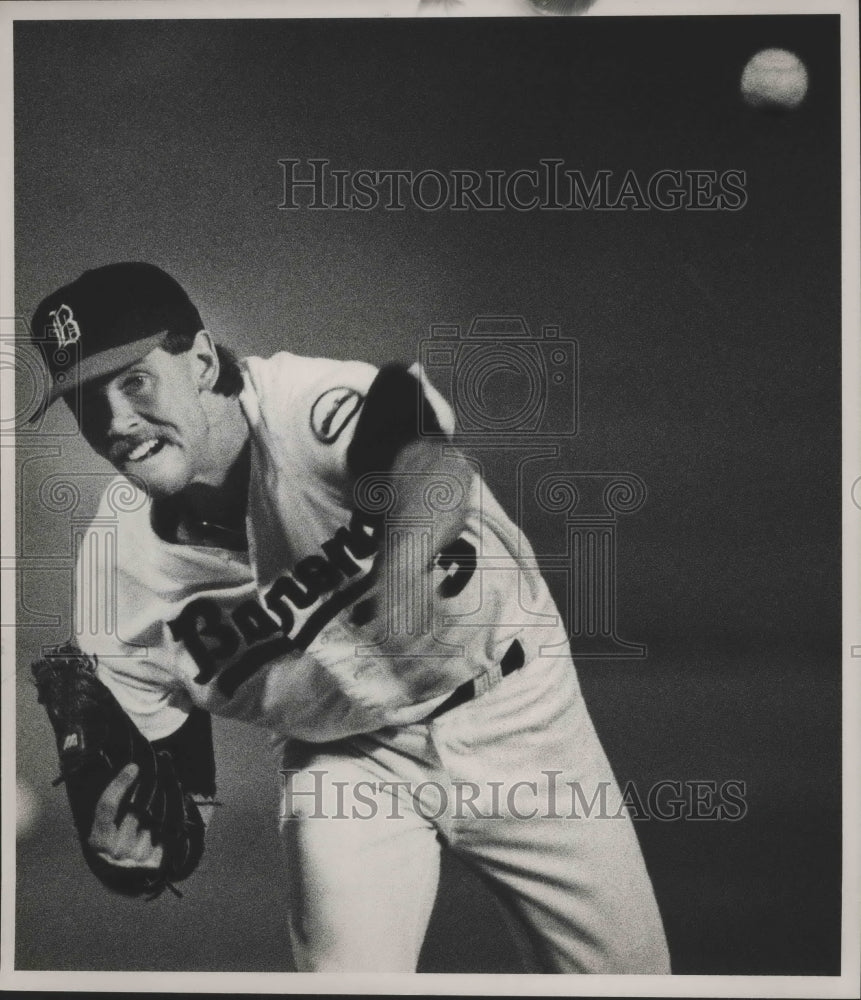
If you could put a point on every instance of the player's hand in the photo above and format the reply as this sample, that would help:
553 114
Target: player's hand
122 842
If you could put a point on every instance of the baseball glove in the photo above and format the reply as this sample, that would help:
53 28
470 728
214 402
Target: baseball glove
95 741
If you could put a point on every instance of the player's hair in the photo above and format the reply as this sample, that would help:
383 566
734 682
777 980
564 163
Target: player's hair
229 381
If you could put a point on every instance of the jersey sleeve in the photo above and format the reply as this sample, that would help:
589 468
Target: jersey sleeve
305 410
110 593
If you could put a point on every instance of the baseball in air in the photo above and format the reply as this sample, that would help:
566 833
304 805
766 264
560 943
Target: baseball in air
774 79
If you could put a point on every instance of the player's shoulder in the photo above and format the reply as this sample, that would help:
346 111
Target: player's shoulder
288 374
306 398
320 415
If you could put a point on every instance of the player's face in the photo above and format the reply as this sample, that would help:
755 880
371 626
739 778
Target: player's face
149 420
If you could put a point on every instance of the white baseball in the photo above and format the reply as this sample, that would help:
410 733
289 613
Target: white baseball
774 78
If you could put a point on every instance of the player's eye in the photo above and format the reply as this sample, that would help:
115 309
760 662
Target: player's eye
135 383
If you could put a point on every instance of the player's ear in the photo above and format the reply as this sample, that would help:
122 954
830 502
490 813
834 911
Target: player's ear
204 360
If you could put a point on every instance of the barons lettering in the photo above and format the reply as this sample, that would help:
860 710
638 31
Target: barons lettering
269 631
211 638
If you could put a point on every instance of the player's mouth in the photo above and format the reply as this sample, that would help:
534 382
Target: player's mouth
142 451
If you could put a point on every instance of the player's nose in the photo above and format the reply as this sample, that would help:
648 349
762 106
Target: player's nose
122 418
108 416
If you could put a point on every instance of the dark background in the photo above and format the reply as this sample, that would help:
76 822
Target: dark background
710 346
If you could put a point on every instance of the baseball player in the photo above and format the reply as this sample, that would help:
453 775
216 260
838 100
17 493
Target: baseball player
313 556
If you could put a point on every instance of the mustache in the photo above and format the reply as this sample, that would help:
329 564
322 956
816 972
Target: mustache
119 449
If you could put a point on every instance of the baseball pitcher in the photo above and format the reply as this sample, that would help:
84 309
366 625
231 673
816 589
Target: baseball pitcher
315 557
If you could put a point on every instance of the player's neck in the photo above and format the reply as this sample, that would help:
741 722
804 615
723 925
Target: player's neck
223 502
211 510
221 479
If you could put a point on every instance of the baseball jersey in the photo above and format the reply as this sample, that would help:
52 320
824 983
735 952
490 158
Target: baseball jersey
279 636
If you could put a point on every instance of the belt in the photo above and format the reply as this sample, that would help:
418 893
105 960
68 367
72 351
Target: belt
511 661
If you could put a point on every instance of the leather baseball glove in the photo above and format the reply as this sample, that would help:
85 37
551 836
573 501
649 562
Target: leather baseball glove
95 741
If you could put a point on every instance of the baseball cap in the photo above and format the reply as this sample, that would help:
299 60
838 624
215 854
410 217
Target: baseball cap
107 319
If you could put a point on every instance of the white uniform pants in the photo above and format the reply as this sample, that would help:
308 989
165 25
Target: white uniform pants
362 822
